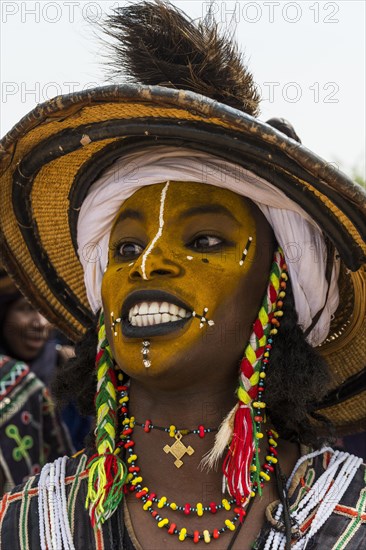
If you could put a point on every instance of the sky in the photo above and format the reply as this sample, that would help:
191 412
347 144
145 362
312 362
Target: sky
307 58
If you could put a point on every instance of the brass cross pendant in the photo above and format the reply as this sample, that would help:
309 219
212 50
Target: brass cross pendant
178 449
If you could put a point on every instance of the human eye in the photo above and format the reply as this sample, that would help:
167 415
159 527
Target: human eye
25 307
127 250
206 243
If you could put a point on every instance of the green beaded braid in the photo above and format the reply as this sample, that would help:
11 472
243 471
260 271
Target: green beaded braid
107 472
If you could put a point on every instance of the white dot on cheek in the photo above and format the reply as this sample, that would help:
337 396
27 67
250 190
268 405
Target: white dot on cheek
189 257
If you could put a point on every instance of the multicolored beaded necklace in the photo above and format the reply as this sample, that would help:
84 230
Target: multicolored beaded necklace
149 499
172 430
177 449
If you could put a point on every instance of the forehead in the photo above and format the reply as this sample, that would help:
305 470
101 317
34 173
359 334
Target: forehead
185 197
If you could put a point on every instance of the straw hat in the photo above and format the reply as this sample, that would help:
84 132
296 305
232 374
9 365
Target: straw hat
52 156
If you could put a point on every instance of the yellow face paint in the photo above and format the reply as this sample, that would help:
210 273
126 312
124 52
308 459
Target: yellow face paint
176 277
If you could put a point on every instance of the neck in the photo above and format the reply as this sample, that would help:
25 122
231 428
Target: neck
186 410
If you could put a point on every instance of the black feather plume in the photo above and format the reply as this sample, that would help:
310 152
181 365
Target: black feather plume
157 44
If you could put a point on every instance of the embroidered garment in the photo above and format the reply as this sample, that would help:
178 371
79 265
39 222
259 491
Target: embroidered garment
49 511
317 508
31 432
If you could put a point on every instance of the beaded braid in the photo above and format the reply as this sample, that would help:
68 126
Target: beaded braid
107 472
240 470
241 428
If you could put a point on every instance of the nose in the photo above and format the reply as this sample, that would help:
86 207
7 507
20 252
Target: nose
38 321
153 264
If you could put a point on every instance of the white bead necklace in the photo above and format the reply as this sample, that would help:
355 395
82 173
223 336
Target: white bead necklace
54 527
334 495
325 494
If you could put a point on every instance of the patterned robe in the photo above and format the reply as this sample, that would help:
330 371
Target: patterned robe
20 519
31 432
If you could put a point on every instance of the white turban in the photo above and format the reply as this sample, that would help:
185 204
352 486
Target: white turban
299 236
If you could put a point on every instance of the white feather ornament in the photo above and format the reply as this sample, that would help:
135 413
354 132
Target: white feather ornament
222 440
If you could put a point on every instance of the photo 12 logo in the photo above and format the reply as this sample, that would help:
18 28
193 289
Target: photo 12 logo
53 12
224 11
293 92
39 92
270 12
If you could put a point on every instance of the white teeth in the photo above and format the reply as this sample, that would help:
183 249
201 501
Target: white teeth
144 308
154 313
164 307
154 308
173 309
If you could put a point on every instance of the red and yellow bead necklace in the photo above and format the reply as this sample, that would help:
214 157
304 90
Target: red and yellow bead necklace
150 499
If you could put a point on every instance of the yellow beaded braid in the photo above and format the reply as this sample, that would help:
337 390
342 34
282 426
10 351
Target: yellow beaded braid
241 465
107 472
262 328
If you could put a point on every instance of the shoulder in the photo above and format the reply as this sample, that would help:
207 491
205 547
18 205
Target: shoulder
11 372
340 520
49 512
16 382
327 498
59 490
31 431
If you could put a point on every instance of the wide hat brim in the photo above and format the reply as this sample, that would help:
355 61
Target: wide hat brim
51 157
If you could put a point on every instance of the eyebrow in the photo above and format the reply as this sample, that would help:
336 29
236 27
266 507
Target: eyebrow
207 209
131 214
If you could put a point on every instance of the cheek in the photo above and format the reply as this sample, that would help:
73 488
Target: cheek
28 321
217 280
112 299
16 322
237 289
113 283
13 334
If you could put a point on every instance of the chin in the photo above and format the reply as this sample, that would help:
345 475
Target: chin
139 372
29 356
164 373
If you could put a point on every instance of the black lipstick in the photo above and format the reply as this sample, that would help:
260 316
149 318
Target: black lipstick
160 329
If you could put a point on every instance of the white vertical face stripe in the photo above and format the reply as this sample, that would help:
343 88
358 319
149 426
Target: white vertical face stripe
159 232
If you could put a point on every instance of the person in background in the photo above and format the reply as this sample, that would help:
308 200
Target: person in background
31 431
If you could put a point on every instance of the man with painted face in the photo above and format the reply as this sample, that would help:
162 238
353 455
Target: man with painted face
159 275
197 328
